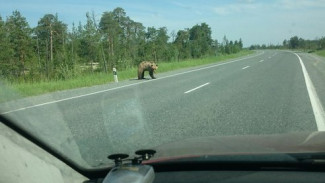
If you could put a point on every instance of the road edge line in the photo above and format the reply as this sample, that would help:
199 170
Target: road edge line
314 100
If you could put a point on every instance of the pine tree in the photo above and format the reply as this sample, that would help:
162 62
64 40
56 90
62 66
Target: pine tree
6 52
19 37
52 36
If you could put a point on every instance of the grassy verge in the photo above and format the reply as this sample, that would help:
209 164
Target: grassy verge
30 89
168 66
320 53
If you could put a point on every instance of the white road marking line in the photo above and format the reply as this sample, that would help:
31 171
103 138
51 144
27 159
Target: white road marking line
261 61
196 88
245 67
314 100
102 91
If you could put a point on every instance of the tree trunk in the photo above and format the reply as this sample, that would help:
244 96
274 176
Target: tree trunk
51 42
38 53
104 59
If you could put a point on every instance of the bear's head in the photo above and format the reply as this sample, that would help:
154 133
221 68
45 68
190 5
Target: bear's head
154 66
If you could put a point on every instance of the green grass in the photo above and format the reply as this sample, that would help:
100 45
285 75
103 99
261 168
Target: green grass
320 53
30 89
168 66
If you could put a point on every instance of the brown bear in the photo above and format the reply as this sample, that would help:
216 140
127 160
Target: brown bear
147 66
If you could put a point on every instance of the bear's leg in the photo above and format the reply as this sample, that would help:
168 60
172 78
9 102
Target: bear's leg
151 74
140 74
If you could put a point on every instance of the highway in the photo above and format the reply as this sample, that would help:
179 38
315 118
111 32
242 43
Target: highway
264 93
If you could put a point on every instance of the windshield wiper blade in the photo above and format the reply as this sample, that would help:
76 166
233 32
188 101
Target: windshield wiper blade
314 158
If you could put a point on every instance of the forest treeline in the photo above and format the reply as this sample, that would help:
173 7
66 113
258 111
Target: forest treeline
50 51
295 43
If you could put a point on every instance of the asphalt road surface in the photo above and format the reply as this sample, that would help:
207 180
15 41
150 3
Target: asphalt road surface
265 93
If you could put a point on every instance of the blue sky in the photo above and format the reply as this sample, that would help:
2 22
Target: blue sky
256 22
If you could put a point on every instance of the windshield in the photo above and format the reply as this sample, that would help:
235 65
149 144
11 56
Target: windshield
90 79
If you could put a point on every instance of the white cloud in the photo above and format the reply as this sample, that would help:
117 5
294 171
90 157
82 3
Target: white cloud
300 4
252 6
190 7
246 1
242 6
182 5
